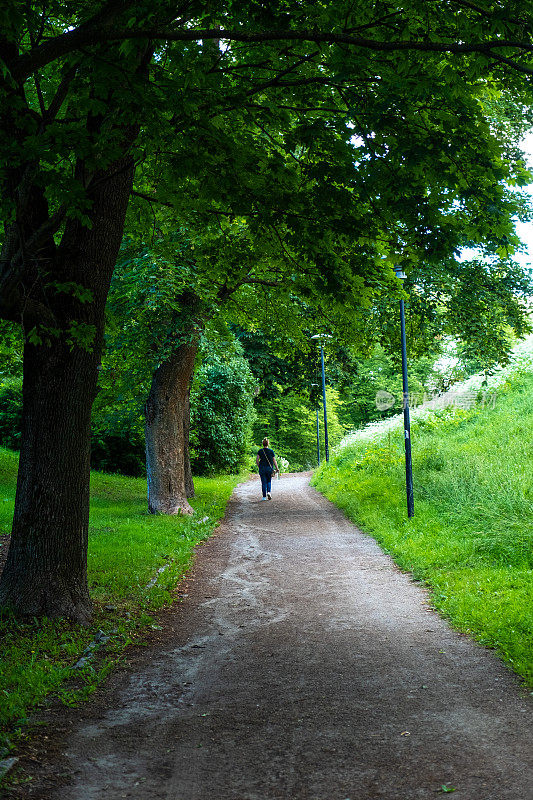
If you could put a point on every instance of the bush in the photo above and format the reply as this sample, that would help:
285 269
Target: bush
11 412
117 442
290 424
118 446
221 415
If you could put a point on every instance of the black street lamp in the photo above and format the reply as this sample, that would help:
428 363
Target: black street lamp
406 420
317 432
321 337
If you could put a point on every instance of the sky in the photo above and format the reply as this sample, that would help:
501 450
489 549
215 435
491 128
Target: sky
525 229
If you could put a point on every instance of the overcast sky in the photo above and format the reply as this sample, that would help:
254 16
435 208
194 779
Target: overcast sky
525 229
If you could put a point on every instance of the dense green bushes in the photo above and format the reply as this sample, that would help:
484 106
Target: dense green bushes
222 410
10 412
290 424
117 439
117 443
221 415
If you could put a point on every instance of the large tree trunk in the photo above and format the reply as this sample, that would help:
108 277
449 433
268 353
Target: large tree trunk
46 569
167 435
45 572
189 483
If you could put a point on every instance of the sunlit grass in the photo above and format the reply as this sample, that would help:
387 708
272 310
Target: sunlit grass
127 547
471 539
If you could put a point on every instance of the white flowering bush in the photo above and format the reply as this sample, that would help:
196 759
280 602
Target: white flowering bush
477 390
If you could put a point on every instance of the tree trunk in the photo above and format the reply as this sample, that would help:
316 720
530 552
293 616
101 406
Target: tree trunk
45 572
189 483
167 434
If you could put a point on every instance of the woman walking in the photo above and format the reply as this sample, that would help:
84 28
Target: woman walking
266 461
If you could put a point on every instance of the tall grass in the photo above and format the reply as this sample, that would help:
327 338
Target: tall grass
471 539
135 562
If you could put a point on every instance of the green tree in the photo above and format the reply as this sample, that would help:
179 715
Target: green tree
161 299
290 424
86 92
221 410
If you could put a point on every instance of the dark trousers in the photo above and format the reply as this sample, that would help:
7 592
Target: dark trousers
266 478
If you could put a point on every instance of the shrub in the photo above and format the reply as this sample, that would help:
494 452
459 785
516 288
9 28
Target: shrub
11 412
221 415
290 424
117 445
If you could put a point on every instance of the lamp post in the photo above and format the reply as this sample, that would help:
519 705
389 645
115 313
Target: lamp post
406 420
317 432
321 337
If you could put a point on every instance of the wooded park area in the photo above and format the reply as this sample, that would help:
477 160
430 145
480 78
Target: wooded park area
179 173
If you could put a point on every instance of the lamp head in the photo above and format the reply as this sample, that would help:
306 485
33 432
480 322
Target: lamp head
400 273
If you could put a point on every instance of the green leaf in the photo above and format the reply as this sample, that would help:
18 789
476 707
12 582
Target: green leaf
81 293
33 337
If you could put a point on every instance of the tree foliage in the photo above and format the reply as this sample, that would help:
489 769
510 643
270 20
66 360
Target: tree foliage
222 411
347 135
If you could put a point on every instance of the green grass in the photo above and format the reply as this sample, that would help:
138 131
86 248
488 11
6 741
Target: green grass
471 539
127 546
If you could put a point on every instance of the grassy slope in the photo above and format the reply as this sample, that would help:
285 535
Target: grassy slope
471 539
127 546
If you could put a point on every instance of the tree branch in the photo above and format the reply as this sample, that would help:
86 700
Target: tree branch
151 199
511 63
60 95
92 33
40 97
215 211
275 80
99 25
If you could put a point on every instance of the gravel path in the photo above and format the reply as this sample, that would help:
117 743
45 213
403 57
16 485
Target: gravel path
304 666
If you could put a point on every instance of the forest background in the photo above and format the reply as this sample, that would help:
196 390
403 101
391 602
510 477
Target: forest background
244 389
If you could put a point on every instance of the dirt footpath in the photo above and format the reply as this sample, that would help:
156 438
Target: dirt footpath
304 666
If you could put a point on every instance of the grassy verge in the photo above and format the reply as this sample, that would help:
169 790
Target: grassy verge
127 548
471 540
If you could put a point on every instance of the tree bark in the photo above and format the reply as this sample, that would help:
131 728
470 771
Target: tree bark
167 433
45 572
189 482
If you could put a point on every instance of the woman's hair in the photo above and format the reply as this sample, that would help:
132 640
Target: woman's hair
265 442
